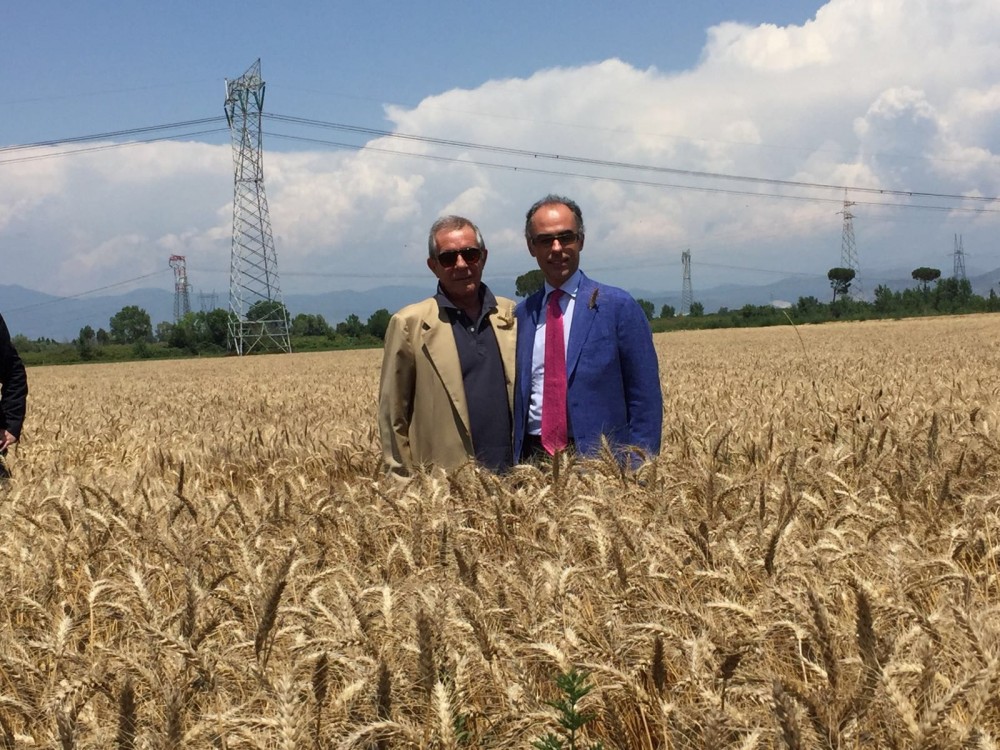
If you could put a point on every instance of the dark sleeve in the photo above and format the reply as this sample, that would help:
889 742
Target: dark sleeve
14 388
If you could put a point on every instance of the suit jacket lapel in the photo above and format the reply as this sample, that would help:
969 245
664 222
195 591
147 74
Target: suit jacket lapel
505 332
583 318
534 307
439 343
526 325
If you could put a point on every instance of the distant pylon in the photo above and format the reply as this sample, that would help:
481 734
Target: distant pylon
182 300
959 272
209 300
687 296
848 250
258 319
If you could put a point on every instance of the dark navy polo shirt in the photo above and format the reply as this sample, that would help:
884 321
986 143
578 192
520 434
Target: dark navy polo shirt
484 379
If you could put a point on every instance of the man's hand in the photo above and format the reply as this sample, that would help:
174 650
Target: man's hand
6 440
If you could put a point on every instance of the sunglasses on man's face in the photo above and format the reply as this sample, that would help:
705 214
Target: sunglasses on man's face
470 255
548 241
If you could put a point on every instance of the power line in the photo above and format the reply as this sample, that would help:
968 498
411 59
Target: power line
421 276
114 134
618 164
617 131
751 269
510 151
649 183
56 300
107 147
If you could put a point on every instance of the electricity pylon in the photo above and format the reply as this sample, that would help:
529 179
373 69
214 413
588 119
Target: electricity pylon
182 299
258 318
959 266
687 295
209 300
848 250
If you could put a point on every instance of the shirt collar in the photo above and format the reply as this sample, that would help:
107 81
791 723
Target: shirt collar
571 286
486 297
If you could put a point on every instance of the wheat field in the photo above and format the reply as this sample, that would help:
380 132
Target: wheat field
203 554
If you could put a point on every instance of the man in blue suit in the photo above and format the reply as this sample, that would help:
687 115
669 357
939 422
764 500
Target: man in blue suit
611 384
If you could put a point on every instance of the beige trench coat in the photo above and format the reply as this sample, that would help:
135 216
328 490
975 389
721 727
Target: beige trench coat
423 415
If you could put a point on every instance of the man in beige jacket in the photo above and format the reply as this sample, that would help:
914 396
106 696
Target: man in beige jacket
448 365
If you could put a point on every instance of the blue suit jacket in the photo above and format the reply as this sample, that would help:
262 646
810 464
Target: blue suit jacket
613 377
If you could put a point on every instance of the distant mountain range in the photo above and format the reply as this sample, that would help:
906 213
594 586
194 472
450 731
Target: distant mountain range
38 315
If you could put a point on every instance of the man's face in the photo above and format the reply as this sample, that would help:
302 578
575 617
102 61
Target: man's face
554 242
459 276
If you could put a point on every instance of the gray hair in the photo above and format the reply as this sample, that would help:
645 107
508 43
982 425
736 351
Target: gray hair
451 223
554 200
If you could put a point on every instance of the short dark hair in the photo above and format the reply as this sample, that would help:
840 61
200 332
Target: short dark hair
451 223
554 200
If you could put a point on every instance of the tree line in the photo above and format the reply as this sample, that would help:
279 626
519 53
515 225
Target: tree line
131 333
208 332
946 296
932 295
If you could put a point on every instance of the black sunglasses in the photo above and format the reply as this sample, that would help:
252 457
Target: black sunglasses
470 255
548 240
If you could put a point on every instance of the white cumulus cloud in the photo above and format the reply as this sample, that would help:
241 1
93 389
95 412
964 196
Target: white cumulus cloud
893 94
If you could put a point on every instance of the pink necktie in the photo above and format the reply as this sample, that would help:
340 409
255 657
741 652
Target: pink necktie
554 386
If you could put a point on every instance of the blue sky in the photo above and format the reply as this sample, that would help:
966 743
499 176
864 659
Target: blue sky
92 67
883 97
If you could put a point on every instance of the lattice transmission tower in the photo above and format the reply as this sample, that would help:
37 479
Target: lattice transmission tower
209 300
182 297
687 295
848 249
258 318
959 266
